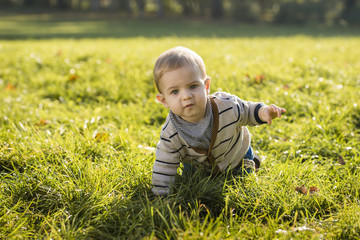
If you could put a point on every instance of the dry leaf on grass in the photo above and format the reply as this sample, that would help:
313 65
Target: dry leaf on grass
259 78
73 78
102 137
10 87
341 160
42 122
313 189
303 190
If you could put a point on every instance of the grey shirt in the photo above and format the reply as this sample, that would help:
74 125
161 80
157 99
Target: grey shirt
197 135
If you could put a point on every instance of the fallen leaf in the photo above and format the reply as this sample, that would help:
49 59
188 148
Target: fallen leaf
301 189
341 160
73 78
259 78
42 122
313 189
102 137
10 87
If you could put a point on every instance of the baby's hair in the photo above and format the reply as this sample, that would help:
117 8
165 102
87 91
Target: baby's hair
175 58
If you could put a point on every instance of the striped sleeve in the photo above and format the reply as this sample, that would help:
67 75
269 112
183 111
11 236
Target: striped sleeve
249 112
165 166
246 112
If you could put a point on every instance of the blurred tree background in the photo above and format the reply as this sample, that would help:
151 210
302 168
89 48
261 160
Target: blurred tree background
329 12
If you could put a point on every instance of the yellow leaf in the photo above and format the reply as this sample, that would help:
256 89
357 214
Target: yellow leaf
102 137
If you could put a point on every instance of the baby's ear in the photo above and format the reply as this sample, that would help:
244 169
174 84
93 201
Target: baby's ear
160 97
207 85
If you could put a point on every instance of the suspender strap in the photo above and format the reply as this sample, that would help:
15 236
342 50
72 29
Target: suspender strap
215 128
214 132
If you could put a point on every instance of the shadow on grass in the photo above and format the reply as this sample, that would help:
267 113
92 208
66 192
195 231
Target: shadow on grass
81 25
145 215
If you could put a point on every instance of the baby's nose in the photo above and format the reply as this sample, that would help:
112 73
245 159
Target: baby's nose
186 95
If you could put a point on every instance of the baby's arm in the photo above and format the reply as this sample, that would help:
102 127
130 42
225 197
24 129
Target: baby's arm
165 167
268 113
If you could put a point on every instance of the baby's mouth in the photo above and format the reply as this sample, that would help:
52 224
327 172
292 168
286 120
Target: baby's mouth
189 105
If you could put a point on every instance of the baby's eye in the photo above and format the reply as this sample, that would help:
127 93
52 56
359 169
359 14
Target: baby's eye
174 92
193 86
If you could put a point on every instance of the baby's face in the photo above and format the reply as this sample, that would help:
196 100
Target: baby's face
185 91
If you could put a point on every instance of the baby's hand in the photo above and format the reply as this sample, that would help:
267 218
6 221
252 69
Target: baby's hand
268 113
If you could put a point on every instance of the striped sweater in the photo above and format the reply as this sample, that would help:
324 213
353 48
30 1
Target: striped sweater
230 141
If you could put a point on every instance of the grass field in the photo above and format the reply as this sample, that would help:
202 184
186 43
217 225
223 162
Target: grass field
79 124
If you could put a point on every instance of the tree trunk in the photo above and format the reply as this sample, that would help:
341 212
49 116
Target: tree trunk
112 6
128 7
217 9
62 4
141 7
187 9
28 2
349 6
160 10
94 4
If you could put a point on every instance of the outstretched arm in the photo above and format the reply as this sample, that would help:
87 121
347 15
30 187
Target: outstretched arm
268 113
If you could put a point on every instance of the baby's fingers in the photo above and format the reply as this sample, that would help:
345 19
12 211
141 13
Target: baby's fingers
282 110
273 111
276 111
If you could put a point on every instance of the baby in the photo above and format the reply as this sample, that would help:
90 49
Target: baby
202 130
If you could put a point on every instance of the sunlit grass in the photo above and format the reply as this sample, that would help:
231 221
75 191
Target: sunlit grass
79 124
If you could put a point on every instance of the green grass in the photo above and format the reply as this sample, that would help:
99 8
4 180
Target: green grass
87 25
60 180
